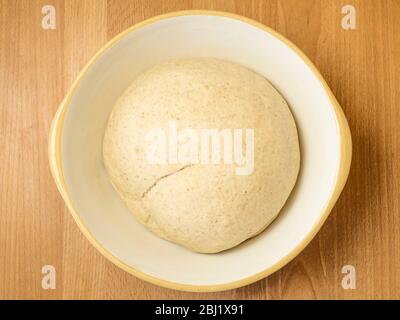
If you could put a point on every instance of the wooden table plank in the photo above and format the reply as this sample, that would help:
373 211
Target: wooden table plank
37 67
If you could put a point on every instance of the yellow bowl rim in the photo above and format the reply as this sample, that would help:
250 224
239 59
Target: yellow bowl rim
341 177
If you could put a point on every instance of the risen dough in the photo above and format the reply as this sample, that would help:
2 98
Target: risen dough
207 208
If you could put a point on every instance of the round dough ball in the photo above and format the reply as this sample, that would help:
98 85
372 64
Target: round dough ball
206 207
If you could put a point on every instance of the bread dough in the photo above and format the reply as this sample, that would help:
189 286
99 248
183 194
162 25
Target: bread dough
205 207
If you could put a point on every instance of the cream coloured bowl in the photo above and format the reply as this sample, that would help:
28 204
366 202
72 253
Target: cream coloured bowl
75 149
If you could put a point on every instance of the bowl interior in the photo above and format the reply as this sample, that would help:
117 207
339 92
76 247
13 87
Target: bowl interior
104 214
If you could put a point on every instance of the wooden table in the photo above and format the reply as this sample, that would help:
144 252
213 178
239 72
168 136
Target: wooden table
37 67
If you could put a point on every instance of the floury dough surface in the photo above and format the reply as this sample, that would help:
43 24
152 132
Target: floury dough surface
205 207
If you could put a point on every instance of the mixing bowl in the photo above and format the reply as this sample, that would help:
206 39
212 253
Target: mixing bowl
75 149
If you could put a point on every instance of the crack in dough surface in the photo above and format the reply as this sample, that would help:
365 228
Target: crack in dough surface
154 184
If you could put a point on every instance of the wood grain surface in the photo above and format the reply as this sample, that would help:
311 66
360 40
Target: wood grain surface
38 66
